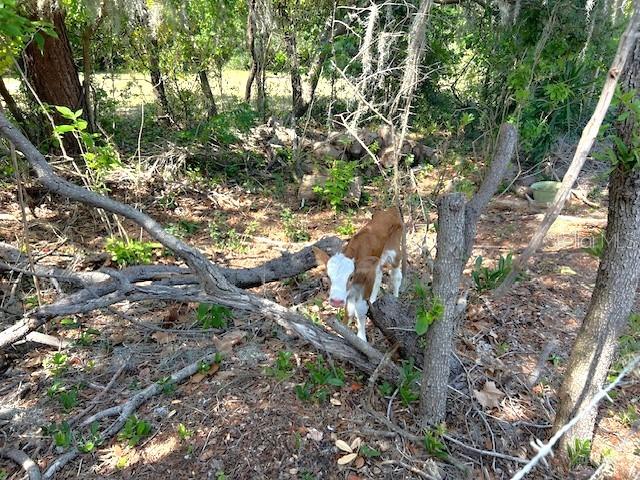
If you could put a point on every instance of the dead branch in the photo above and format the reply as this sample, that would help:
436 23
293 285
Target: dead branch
23 460
126 410
212 280
589 134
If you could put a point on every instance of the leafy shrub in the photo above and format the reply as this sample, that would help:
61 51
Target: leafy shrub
183 228
130 252
294 229
213 316
488 279
433 445
283 367
336 188
579 452
134 430
408 389
61 434
347 228
321 378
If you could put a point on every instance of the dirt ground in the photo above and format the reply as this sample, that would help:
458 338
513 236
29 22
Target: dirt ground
240 420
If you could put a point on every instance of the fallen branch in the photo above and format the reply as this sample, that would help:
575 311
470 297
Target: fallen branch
125 410
23 460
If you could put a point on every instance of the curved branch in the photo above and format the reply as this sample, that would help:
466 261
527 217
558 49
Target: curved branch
23 460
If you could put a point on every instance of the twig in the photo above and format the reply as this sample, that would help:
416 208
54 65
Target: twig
95 400
547 448
23 460
125 410
411 468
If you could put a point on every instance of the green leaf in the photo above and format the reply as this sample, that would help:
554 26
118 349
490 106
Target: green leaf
335 381
422 323
64 128
369 452
65 112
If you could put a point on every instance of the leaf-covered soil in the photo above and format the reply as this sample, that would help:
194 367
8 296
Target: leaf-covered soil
243 419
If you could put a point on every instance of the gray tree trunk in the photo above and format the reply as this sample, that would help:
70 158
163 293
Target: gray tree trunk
615 289
212 108
446 283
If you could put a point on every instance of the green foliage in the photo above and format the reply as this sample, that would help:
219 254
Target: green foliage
61 434
283 368
56 364
579 452
228 238
89 444
130 252
486 278
321 379
628 346
168 385
213 315
430 308
335 190
434 445
409 376
294 229
629 416
184 433
134 430
183 228
347 228
625 151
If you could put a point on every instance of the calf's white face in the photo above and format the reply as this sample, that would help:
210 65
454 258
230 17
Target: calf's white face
339 270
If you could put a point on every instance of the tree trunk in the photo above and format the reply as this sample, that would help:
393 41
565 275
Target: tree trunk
52 72
12 106
212 109
615 289
446 283
87 72
251 44
157 80
297 104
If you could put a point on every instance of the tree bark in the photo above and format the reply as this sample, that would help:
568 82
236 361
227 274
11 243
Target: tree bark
446 283
52 72
583 148
615 288
212 108
157 80
251 44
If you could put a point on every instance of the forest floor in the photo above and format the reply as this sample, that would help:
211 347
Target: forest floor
247 417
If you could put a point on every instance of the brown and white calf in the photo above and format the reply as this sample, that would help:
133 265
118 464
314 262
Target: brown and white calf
356 272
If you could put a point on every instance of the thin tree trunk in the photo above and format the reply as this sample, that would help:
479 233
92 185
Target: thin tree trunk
208 94
615 289
297 107
446 283
12 106
157 80
251 43
587 139
87 71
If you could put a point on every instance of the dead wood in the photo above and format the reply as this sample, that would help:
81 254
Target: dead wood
214 286
23 460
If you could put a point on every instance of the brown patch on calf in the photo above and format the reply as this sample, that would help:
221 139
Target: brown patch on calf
365 275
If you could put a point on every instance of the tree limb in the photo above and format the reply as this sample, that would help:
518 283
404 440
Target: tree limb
23 460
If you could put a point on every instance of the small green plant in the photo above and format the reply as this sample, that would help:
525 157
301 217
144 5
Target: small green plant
294 229
408 389
321 379
221 475
134 430
283 368
183 228
429 309
57 364
168 385
88 445
87 337
68 398
433 445
336 188
61 434
227 238
502 348
489 279
579 452
555 359
465 186
213 315
629 416
130 252
184 433
598 244
386 389
3 475
628 346
368 452
69 323
347 228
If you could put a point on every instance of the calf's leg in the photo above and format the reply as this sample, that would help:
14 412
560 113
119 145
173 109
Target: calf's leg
396 280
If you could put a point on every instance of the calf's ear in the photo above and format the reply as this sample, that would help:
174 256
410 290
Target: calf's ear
322 257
